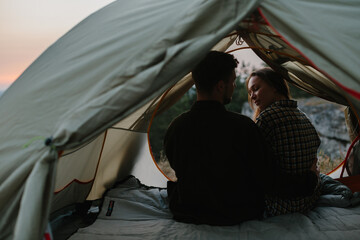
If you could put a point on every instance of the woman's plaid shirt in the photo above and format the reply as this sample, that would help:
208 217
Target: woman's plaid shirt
295 142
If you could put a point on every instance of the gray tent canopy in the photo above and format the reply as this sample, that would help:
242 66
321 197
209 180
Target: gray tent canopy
76 120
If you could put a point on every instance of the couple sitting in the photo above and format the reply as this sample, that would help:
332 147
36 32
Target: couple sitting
230 169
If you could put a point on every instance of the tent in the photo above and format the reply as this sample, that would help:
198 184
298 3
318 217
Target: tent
76 120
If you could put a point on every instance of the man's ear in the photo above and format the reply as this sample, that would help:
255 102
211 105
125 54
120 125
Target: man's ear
220 86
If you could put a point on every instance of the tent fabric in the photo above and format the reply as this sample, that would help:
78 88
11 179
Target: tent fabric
105 68
110 71
133 211
326 33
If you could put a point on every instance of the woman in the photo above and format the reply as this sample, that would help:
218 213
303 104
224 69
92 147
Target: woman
288 131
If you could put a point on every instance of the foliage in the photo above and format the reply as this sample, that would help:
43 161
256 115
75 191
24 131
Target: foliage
239 97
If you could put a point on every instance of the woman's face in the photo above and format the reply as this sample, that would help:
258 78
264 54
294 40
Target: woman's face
261 93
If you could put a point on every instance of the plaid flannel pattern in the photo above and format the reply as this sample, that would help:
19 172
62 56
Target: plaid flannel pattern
295 142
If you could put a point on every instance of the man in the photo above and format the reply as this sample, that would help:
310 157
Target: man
220 157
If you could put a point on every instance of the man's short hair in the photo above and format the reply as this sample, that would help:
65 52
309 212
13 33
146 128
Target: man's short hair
216 66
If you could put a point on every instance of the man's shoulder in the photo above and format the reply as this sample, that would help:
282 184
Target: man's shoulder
182 119
240 118
183 116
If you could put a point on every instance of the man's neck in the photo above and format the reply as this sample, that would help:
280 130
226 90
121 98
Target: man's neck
207 97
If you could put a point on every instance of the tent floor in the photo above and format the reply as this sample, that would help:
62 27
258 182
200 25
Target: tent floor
134 211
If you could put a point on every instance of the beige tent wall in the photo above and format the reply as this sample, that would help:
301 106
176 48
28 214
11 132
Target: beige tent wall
79 164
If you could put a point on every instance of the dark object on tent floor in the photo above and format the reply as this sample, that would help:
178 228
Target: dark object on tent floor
67 221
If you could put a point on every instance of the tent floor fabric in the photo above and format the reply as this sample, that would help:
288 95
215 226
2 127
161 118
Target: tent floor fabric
133 211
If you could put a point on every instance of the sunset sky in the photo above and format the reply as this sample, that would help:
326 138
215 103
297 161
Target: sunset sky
29 27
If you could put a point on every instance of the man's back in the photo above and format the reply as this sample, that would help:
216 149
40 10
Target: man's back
217 156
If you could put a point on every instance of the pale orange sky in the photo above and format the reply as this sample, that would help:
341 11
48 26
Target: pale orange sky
29 27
